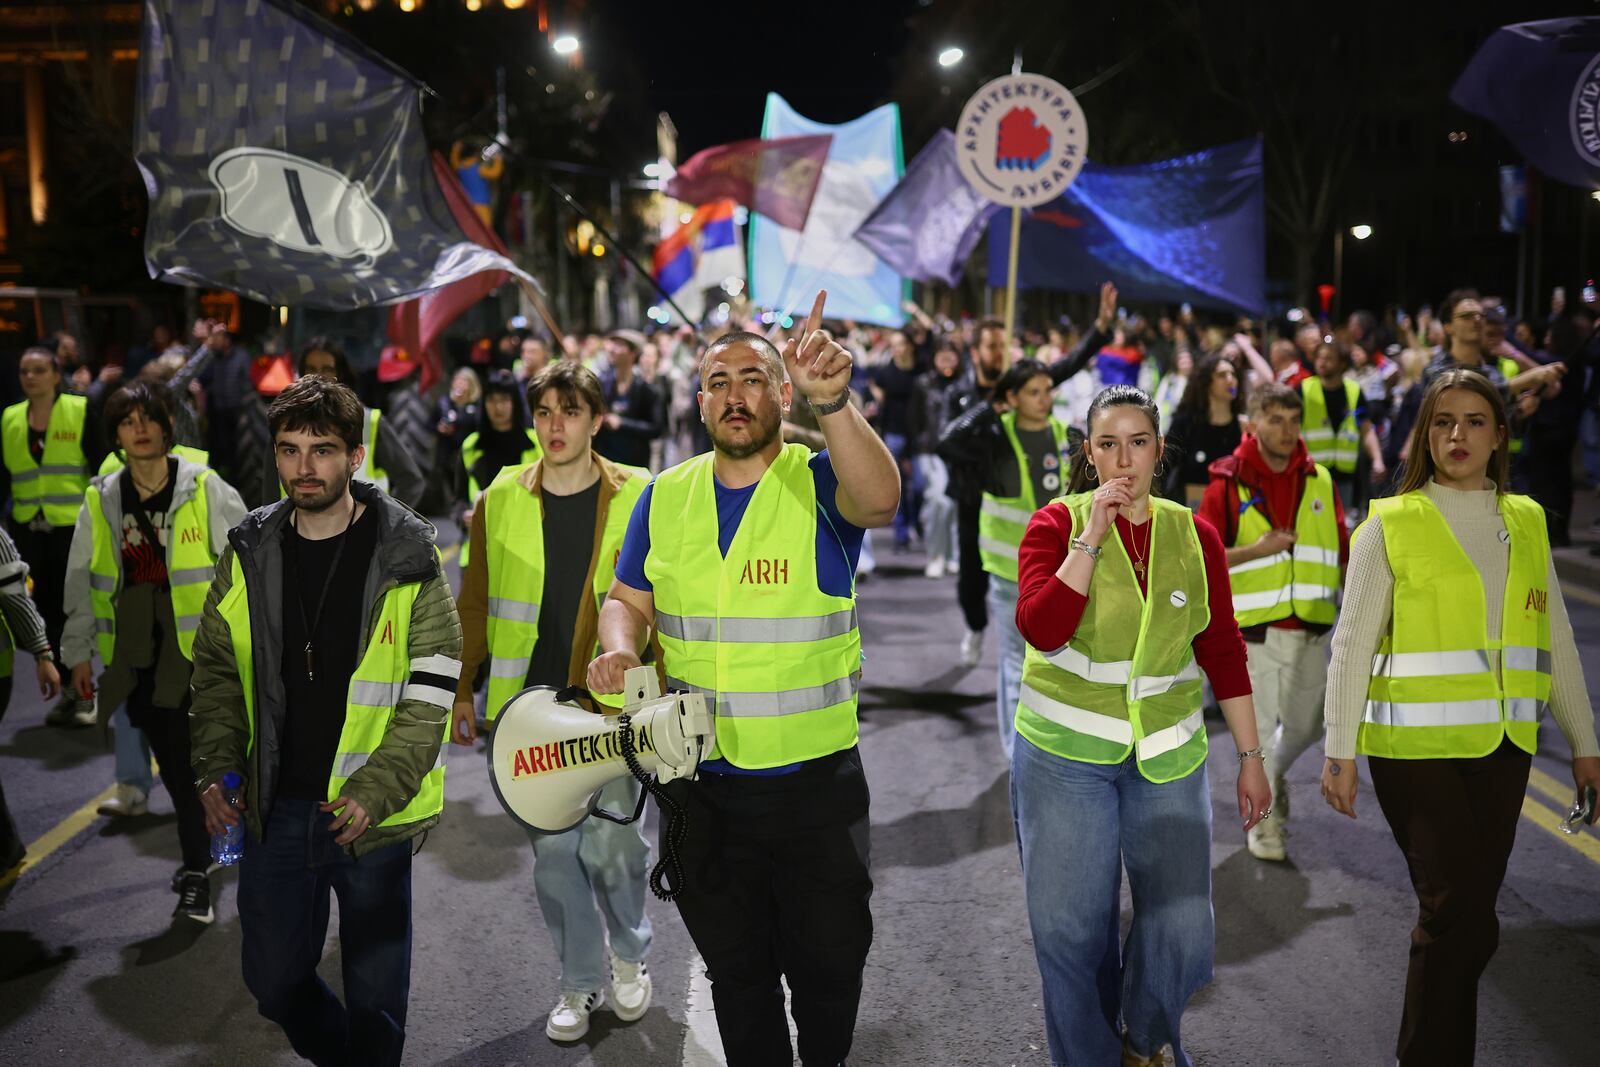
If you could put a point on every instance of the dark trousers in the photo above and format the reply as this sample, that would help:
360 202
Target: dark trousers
45 552
777 884
1455 820
284 882
12 847
167 730
972 581
1548 465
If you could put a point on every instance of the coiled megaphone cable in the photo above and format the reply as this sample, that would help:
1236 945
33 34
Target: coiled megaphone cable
672 831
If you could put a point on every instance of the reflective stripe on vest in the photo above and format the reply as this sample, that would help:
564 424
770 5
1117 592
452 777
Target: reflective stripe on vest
1435 692
189 559
1304 582
513 524
470 454
58 481
1128 680
382 678
1002 520
778 659
1335 447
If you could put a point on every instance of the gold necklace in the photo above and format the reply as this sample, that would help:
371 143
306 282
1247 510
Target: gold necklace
1138 557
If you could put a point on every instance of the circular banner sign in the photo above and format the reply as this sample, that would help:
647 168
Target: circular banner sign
1021 140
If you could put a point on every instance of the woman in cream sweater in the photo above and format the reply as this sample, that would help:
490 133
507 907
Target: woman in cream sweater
1452 643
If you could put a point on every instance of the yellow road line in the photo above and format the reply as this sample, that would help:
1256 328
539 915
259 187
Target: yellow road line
1563 795
1578 592
1540 815
450 552
56 836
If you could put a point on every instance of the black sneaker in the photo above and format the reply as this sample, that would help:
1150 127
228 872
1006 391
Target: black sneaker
194 898
177 875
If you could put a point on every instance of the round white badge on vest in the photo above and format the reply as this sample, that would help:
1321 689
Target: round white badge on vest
1178 599
1052 481
1505 537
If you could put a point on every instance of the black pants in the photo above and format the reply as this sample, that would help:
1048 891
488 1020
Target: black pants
167 730
777 884
1455 820
972 581
1547 459
46 552
11 843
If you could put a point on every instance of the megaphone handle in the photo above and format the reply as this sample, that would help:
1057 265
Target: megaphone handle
623 820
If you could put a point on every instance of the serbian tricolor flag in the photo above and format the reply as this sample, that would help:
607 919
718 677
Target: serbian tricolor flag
702 253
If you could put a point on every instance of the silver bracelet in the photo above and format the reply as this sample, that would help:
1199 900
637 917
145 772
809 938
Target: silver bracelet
833 405
1092 551
1254 753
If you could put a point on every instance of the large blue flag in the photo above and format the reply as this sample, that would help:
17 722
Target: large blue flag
929 224
286 161
788 266
1186 229
1539 83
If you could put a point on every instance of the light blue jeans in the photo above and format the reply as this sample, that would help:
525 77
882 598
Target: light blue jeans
938 510
1077 824
1011 647
599 863
132 751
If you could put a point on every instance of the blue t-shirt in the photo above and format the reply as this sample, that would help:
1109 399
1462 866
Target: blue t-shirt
838 550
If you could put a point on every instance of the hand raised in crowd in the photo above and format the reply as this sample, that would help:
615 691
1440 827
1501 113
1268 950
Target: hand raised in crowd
1107 315
1339 785
83 680
49 678
607 671
351 822
463 723
1526 404
219 813
1109 500
818 366
110 374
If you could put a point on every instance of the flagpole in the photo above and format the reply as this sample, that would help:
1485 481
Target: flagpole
530 291
1011 276
623 252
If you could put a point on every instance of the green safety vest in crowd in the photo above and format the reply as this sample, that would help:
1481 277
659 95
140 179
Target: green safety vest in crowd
778 659
1509 370
513 524
470 454
377 685
1128 680
1335 447
1433 693
57 484
1303 581
113 461
190 565
1002 520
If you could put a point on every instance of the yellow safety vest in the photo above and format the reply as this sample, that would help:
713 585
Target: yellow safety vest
1128 680
58 483
1304 581
190 565
1434 693
1335 447
470 454
513 524
113 461
778 659
376 687
1002 520
1509 370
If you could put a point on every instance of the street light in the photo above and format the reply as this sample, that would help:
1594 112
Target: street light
1360 231
950 57
565 45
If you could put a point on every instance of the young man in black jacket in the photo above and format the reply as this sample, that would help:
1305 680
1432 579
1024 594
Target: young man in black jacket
967 449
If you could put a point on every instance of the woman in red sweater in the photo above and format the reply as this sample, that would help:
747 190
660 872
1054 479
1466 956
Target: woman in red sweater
1109 765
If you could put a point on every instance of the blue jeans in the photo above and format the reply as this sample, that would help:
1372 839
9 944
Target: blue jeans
600 863
905 519
284 880
1077 824
133 752
1011 647
1589 441
938 510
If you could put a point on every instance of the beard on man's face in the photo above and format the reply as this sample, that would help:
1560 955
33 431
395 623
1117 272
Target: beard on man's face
320 498
756 434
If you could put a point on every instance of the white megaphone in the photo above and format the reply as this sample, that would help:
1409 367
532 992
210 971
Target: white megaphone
549 757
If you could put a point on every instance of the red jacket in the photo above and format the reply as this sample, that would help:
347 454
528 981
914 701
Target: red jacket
1275 495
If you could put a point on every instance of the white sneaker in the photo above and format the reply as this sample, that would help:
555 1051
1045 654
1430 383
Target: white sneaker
630 988
569 1019
127 801
83 713
1265 840
935 567
971 648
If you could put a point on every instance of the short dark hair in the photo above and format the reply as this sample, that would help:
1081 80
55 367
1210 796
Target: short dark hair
1018 375
989 324
137 396
572 382
316 405
341 362
1447 310
754 341
1275 395
41 352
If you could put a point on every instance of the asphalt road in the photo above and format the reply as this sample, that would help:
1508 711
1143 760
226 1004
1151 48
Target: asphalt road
1310 954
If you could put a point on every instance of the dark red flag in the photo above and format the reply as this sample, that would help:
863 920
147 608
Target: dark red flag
778 178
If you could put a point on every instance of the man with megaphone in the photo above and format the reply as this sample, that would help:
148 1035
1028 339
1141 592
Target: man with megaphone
743 562
543 539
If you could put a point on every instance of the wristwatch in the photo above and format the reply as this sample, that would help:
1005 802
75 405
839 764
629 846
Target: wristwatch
1092 551
831 406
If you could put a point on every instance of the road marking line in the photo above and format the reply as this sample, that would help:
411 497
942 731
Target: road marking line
56 836
1540 815
450 552
1543 783
702 1041
1578 592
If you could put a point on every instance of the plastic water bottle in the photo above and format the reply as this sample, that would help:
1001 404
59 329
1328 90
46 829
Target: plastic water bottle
227 844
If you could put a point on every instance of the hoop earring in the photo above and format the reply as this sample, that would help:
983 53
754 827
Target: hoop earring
1093 472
